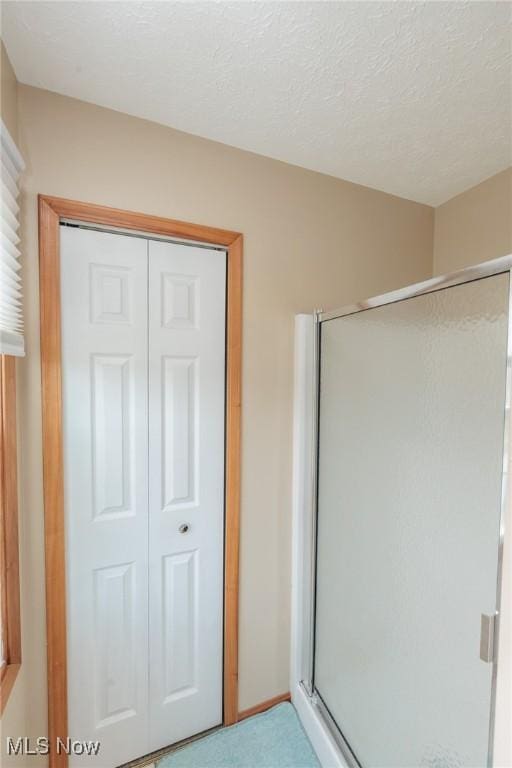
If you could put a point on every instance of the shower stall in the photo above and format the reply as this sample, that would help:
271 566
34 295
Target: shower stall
401 642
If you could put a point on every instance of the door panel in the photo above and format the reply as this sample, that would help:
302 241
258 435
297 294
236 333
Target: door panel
412 398
111 435
114 619
104 376
186 470
180 624
180 426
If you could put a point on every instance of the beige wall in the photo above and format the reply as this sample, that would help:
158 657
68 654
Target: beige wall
310 241
8 94
475 226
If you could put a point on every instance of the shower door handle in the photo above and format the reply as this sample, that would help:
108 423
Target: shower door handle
487 629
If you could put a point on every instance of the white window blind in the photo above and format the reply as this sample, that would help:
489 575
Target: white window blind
11 310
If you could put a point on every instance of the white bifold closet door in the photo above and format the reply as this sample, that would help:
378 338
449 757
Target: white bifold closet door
143 360
186 489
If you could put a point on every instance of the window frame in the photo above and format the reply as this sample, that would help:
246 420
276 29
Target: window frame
9 544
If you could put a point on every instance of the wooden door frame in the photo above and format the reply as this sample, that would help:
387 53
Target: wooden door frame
51 211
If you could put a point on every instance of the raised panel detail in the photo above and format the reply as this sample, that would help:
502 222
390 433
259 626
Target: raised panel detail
114 652
179 454
111 436
180 301
180 607
110 294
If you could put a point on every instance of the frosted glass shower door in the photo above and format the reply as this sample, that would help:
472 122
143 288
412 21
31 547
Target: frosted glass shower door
411 419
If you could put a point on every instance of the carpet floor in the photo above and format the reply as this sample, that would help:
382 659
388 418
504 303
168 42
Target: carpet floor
274 739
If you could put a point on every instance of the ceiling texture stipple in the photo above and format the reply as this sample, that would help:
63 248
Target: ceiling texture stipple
413 98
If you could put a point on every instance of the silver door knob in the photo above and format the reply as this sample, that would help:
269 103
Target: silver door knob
184 527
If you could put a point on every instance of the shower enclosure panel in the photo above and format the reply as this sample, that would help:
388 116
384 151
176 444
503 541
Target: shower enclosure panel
411 417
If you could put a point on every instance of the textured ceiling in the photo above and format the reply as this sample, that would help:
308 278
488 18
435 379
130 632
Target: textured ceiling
409 97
